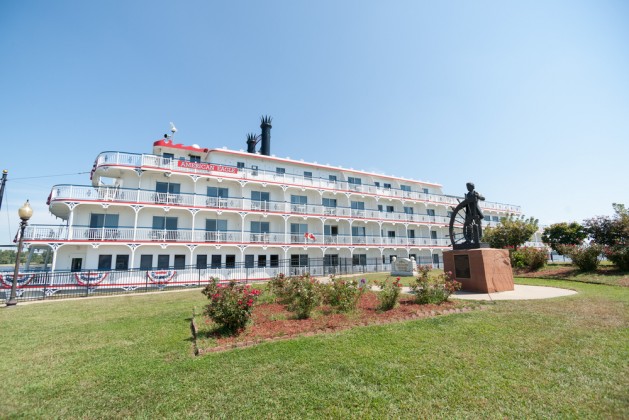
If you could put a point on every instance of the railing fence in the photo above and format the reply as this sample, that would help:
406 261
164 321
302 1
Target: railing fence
41 285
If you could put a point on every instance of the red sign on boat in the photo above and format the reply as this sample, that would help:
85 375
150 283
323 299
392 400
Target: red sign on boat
207 167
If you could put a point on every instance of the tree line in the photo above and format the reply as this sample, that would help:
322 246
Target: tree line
583 242
8 257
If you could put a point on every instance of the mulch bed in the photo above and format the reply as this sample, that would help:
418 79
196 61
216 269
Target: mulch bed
272 322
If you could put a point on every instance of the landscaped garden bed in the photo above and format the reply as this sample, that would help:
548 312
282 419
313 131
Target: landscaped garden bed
549 358
272 321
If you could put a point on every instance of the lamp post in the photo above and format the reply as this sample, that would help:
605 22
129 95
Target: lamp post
25 212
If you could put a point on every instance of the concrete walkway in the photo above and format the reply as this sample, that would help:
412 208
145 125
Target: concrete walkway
521 292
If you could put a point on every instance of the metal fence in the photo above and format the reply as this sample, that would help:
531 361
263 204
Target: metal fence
41 285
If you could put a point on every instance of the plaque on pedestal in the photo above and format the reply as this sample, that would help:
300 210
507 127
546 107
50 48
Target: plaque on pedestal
485 270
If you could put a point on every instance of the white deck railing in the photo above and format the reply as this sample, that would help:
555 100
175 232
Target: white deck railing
121 195
167 164
141 234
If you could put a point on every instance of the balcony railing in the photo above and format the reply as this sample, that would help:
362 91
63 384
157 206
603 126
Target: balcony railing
358 213
86 193
144 234
151 161
259 205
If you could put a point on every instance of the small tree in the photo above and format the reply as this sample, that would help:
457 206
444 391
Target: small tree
613 234
511 232
563 234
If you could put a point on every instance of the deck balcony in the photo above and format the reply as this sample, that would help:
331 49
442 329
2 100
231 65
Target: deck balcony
77 234
89 194
153 162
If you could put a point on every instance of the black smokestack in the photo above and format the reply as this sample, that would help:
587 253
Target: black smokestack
252 140
265 125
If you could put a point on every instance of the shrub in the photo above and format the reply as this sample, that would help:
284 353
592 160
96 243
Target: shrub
343 295
619 255
230 304
528 258
389 294
613 233
302 294
278 285
585 257
435 289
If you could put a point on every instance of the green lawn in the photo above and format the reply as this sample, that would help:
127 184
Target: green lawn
604 274
132 356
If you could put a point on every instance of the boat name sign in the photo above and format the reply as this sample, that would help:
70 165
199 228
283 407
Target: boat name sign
207 167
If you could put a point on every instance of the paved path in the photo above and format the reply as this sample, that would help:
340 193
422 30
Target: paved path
520 292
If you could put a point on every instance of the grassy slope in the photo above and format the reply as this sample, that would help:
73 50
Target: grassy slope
131 356
604 274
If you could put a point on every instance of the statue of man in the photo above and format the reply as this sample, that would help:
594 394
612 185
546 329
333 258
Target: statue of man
472 230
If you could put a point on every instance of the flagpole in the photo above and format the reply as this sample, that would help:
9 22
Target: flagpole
3 181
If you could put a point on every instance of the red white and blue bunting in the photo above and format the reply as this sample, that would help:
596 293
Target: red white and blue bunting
161 276
22 279
90 279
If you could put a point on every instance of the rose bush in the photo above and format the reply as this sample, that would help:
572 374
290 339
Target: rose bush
389 293
278 285
230 304
343 295
433 289
302 295
619 255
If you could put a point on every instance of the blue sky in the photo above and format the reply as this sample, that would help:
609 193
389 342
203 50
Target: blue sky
530 100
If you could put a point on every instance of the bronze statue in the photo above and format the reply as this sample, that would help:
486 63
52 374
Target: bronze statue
469 214
472 229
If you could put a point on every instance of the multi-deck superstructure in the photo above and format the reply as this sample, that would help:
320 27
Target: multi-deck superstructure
188 206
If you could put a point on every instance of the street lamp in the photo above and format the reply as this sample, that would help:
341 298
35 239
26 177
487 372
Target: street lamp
25 212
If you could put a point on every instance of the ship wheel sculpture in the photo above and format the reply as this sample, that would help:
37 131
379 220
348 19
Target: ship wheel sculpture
468 214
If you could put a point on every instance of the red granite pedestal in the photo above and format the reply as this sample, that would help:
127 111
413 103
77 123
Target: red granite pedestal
485 270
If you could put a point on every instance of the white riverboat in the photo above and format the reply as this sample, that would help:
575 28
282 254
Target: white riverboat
204 211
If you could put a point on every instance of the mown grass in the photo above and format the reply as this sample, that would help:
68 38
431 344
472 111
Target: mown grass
604 274
132 356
